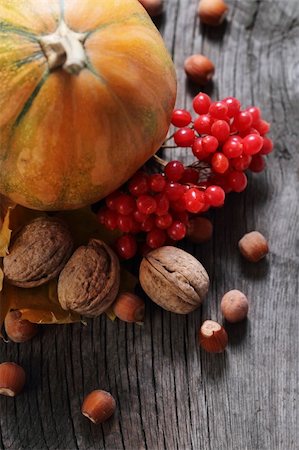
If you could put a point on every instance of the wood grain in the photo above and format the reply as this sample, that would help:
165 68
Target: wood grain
170 394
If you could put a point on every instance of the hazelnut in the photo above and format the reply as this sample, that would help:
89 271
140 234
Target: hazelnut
212 12
253 246
98 406
17 329
199 230
12 379
129 308
199 69
212 337
153 7
234 306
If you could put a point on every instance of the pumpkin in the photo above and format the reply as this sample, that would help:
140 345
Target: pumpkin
87 88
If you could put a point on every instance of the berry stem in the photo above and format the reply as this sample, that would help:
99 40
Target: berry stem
159 161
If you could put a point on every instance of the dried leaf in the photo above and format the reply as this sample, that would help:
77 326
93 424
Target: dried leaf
110 314
84 226
39 305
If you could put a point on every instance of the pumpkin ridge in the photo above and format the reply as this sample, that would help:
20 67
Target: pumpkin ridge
89 33
31 99
25 109
34 57
7 27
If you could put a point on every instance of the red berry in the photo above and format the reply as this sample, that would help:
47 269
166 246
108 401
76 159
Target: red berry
111 200
267 146
218 110
255 113
252 144
125 223
241 162
178 205
125 204
126 246
139 216
162 204
135 227
174 191
194 200
101 215
184 137
146 204
138 185
262 127
190 175
248 131
148 224
111 220
242 121
233 106
233 147
163 222
221 130
257 164
177 230
237 181
209 144
220 180
215 196
203 124
201 103
156 182
156 238
220 163
174 170
198 151
182 216
181 118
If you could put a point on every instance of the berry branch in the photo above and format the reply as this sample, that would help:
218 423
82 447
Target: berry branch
156 205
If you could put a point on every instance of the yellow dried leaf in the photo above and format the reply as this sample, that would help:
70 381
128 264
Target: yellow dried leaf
39 305
110 314
5 234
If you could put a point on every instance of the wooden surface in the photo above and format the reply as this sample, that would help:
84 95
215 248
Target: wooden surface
170 394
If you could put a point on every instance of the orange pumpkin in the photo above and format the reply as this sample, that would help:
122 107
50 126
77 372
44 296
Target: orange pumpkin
87 88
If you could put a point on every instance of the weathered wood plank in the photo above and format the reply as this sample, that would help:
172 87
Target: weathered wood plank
170 394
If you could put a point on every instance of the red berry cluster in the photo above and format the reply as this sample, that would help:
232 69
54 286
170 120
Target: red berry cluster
225 138
230 140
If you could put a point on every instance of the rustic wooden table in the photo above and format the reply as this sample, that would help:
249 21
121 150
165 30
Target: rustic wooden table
170 394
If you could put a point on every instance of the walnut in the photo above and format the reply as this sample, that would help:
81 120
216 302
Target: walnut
38 252
174 279
89 283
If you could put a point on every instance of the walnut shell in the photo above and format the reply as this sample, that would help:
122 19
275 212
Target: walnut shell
174 279
89 283
38 252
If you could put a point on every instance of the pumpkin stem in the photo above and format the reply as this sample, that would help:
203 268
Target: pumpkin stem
65 48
